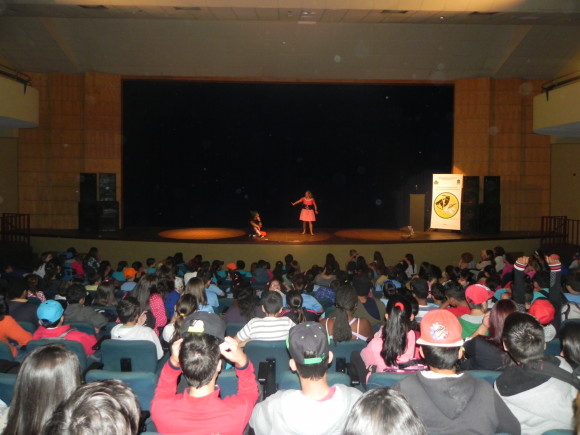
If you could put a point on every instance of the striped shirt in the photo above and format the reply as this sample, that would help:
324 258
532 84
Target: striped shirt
266 329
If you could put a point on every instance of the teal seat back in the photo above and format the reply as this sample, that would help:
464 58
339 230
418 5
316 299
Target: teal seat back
143 384
344 349
488 375
7 382
233 328
228 383
28 326
385 379
140 354
84 327
71 345
258 351
5 352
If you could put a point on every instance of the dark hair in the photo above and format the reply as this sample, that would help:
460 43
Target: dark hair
542 278
150 261
75 293
438 292
247 301
497 316
199 357
312 371
420 288
573 280
454 290
523 337
395 329
383 411
186 305
294 302
240 264
196 287
128 309
105 295
272 302
48 375
346 300
122 265
143 290
106 407
570 338
443 358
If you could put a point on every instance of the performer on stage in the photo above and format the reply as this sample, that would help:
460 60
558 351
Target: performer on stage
255 225
308 212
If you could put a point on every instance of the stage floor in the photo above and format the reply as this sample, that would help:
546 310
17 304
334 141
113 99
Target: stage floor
282 236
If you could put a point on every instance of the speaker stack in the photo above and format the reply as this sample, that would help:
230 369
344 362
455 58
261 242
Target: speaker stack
98 213
490 210
470 205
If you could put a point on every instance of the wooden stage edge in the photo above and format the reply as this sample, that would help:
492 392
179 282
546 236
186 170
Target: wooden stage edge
231 244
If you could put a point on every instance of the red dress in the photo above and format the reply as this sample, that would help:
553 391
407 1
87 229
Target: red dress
307 214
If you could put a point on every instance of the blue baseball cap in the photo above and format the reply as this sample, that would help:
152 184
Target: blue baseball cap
50 311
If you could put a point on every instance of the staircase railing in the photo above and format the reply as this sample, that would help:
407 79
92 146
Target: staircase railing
15 228
559 230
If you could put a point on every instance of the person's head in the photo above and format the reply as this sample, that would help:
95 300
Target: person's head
150 262
420 288
466 258
47 376
50 313
362 285
438 293
93 278
523 337
106 407
240 264
477 296
440 340
199 356
454 292
308 344
308 194
497 316
383 411
573 283
346 301
271 303
570 338
541 280
121 265
128 310
274 285
196 287
76 294
398 322
16 289
32 282
105 295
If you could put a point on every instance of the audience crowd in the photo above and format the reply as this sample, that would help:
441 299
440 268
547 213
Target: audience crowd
433 328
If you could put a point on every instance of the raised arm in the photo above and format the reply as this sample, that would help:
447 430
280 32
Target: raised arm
555 295
519 285
297 202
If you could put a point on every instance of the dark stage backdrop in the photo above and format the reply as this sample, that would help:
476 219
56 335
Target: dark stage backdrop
205 154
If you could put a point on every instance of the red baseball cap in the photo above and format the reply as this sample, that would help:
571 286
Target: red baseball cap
477 294
440 328
542 310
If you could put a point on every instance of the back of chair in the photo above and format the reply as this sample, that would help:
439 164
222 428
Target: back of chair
87 328
143 384
73 346
28 326
258 351
129 356
228 383
487 375
553 347
5 352
385 379
233 328
344 349
7 382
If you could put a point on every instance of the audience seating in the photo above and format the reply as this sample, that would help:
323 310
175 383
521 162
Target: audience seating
130 355
559 432
28 326
342 352
268 358
71 345
228 383
87 328
143 384
233 328
385 379
553 347
7 382
487 375
5 352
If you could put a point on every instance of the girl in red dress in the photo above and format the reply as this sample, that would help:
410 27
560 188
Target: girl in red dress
308 212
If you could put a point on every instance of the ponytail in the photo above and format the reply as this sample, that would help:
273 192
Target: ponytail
395 330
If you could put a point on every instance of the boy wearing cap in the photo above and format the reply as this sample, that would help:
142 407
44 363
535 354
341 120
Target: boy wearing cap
538 399
476 296
449 402
51 318
199 409
77 312
315 409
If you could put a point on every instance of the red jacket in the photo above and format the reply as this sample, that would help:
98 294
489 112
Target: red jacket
88 341
182 414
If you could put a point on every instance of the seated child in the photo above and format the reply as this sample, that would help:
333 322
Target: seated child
132 327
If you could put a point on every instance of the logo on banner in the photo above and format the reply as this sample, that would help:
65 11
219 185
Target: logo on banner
446 205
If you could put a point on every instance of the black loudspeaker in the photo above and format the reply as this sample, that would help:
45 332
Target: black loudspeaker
491 190
469 218
88 187
490 218
98 216
470 191
107 187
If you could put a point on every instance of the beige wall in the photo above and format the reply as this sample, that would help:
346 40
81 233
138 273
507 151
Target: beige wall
8 175
441 254
80 131
565 179
493 136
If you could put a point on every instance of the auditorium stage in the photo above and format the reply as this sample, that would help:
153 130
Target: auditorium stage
231 244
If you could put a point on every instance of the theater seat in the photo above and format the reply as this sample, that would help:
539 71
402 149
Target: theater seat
7 382
5 352
130 356
488 375
385 379
143 384
71 345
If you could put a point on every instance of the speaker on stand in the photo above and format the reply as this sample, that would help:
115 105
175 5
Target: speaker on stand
490 213
470 205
